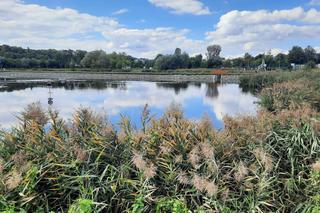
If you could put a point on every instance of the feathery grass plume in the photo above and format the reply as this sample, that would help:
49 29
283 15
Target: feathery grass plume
35 112
165 149
150 171
85 119
315 124
178 159
174 112
147 168
225 194
138 137
194 156
1 165
80 153
25 167
183 178
264 157
241 172
207 150
12 179
211 188
316 166
199 183
145 117
205 126
138 161
202 184
122 136
19 158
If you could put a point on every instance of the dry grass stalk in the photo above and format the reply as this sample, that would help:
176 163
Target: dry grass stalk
242 171
198 183
178 159
36 113
13 179
194 156
205 125
264 157
316 166
211 188
19 159
165 149
1 165
138 161
150 171
204 185
207 150
183 178
81 154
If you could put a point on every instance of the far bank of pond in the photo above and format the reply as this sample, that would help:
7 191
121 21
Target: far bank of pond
66 76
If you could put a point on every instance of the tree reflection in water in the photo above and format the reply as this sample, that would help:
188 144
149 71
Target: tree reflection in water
67 85
212 90
177 86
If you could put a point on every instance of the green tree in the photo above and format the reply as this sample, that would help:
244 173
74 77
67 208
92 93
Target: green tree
177 52
310 54
297 55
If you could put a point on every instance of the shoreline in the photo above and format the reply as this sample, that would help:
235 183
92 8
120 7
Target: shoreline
69 76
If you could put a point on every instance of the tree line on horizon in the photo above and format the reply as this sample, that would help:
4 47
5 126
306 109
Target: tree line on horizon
17 57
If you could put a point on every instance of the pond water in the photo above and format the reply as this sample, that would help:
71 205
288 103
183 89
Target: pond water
128 98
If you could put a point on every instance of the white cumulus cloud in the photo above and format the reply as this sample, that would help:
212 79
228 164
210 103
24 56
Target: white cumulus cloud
40 27
148 42
194 7
121 11
314 2
35 26
259 31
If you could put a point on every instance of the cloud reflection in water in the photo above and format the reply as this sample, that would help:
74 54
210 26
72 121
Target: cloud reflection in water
129 98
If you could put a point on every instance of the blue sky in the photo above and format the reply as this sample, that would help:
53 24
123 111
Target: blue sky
144 28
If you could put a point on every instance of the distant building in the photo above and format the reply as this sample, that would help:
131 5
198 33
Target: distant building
297 66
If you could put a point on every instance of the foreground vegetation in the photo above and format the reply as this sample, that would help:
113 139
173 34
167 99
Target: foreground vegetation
264 163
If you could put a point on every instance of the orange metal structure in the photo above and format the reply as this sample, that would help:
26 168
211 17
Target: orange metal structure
218 72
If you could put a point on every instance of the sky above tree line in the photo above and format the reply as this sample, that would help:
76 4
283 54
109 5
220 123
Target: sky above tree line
144 28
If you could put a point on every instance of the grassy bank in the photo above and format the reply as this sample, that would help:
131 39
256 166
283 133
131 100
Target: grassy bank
266 163
256 82
119 71
191 71
284 90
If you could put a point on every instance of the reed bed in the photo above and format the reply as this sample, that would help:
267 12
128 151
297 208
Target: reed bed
266 163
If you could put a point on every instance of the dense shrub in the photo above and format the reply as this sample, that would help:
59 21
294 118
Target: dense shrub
255 83
286 90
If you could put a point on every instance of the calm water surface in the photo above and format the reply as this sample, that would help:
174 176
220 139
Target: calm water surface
128 98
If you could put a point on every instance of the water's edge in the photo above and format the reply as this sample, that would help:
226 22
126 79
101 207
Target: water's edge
5 76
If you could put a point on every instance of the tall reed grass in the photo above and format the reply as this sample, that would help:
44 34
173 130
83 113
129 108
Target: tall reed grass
266 163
